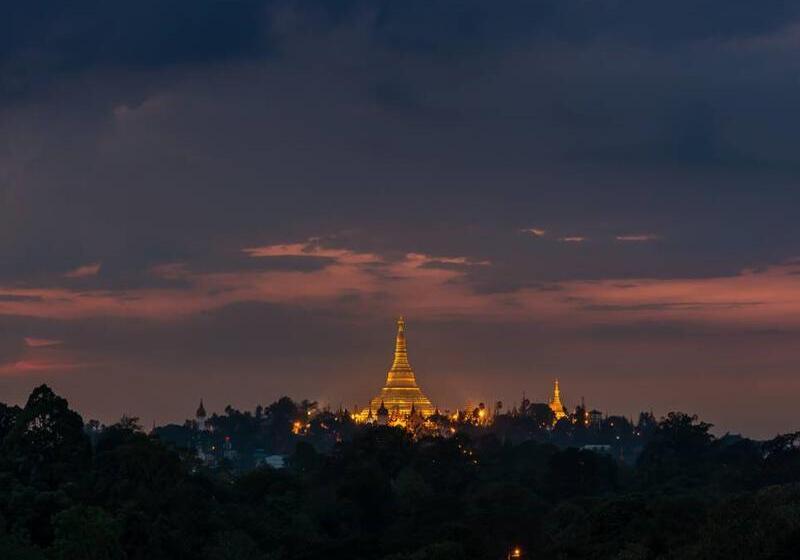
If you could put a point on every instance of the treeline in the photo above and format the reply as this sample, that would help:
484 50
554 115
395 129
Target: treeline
385 495
238 440
272 429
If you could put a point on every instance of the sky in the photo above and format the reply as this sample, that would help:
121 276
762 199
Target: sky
234 199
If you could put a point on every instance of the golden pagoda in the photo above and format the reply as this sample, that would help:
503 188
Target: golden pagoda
401 396
555 403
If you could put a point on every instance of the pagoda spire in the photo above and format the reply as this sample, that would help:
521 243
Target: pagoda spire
555 403
400 350
401 374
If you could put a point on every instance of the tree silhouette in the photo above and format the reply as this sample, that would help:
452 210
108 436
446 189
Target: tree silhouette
47 446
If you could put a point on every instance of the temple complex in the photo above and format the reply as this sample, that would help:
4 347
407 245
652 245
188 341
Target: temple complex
400 397
402 403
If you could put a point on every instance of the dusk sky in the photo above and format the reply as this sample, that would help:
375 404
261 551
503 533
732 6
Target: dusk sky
233 200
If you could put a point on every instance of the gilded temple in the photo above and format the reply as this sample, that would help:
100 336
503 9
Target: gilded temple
556 405
400 395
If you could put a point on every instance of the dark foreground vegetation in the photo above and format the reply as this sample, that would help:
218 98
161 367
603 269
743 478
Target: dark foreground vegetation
384 495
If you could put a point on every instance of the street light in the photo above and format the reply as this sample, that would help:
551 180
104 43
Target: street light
515 552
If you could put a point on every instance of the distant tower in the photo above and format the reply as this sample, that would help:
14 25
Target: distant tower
555 403
200 416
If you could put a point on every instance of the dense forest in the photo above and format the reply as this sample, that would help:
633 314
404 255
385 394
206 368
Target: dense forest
70 490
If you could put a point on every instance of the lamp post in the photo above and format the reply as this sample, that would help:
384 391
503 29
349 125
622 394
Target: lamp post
514 552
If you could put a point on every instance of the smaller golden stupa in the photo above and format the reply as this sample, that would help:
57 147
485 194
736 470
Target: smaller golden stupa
401 395
555 403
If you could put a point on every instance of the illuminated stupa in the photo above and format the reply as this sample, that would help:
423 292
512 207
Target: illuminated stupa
555 403
401 392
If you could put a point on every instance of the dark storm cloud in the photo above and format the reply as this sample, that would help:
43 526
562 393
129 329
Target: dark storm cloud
286 120
47 40
457 25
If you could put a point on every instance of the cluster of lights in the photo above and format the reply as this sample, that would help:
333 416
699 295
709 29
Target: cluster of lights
299 427
468 453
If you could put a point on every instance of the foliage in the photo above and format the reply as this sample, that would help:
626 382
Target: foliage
46 446
86 533
381 492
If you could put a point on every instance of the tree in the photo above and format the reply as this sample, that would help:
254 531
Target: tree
47 444
233 545
437 551
133 469
86 533
782 459
281 415
542 414
763 525
574 472
679 447
8 417
305 458
14 549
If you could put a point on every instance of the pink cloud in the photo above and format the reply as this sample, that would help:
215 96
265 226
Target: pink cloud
770 297
33 342
35 365
43 355
766 298
348 272
572 239
638 237
535 232
312 249
84 271
422 259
